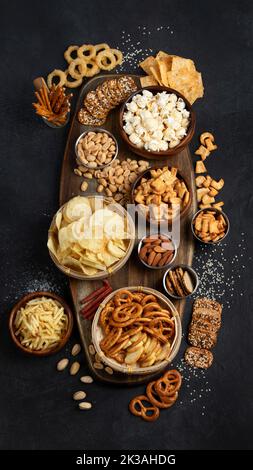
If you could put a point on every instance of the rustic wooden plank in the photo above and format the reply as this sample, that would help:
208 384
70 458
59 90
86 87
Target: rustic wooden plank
133 273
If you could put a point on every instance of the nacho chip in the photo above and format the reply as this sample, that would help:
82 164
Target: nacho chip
150 66
179 63
186 82
148 81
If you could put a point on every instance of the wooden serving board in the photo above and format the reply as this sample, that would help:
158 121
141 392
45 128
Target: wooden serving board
133 273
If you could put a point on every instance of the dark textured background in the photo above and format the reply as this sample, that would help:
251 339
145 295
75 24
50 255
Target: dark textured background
36 408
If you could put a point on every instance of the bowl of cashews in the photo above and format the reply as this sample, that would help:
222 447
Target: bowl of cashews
136 330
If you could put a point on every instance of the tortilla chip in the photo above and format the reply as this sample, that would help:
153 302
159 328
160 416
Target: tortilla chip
163 68
148 81
179 63
186 82
150 66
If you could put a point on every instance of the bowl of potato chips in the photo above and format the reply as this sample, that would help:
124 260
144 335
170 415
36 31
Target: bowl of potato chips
91 237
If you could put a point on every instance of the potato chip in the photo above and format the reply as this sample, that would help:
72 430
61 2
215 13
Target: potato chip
85 241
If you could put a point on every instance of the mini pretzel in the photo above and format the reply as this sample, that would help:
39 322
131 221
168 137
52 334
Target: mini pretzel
169 383
137 408
157 400
125 314
148 298
111 339
86 52
123 296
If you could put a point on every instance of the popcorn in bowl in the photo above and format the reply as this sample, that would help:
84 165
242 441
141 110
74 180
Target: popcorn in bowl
156 122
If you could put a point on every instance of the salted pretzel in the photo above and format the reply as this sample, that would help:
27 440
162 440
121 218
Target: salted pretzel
158 400
122 297
150 307
138 408
168 384
148 298
125 314
111 339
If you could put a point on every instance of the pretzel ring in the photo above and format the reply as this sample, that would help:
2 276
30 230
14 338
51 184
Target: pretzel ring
56 73
67 54
151 306
148 298
101 47
108 341
92 68
72 83
122 297
86 52
77 69
142 410
157 400
131 332
168 384
118 56
106 60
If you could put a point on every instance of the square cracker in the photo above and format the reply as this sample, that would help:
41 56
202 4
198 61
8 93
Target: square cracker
148 81
150 66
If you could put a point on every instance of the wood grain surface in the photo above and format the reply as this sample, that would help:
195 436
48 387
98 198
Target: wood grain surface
133 273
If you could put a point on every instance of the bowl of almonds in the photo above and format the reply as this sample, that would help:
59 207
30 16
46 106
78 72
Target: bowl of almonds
157 251
96 149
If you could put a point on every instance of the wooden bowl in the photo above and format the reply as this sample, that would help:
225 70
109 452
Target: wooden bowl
21 303
97 334
144 174
118 265
164 153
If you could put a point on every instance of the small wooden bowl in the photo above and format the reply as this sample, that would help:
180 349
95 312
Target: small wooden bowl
144 175
164 153
97 334
21 303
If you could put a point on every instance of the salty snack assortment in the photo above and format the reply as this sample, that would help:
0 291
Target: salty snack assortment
96 149
99 102
53 104
89 60
179 282
203 332
174 72
40 324
157 251
160 394
137 330
210 226
114 181
156 121
162 194
88 236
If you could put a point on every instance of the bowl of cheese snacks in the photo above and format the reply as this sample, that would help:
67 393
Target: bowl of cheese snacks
210 225
157 122
41 323
91 237
136 330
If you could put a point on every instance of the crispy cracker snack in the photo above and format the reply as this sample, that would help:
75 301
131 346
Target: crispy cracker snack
174 72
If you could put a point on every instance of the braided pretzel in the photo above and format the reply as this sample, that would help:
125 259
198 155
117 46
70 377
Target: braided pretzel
168 384
142 410
158 400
